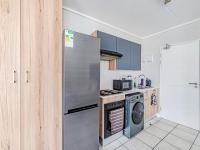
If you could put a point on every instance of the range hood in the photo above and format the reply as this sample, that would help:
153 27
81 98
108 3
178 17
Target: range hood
109 55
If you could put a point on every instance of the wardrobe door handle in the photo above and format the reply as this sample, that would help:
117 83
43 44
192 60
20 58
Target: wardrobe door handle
14 76
27 78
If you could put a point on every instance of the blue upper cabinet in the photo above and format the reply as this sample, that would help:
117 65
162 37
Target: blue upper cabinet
135 56
108 42
131 59
124 47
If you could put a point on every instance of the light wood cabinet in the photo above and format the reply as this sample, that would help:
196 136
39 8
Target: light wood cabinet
30 54
150 110
9 75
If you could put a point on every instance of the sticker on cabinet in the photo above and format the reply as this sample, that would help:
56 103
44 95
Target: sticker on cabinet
69 38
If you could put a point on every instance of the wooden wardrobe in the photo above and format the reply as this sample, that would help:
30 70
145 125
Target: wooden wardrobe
30 74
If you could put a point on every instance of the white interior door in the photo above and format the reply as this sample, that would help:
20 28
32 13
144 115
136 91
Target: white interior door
180 84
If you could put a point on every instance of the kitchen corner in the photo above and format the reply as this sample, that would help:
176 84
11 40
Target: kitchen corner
127 98
151 102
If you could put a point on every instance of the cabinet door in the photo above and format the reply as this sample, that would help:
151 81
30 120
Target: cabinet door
146 106
108 42
41 71
135 56
9 75
124 47
151 110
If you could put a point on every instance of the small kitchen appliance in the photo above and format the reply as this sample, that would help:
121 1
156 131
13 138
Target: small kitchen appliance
122 85
148 82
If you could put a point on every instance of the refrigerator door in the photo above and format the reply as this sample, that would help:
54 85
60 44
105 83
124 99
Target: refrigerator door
81 72
81 130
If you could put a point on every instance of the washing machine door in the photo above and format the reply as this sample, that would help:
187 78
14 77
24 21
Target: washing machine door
138 113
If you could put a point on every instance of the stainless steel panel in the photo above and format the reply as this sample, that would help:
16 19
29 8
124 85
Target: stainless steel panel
81 130
81 72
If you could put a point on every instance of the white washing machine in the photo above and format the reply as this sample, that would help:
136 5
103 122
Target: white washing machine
134 114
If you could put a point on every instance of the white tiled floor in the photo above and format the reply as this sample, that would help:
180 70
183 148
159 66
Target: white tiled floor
159 134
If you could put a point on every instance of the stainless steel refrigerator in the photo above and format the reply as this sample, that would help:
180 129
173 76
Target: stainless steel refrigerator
81 84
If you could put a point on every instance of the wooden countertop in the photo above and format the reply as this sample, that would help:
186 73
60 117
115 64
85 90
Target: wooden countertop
121 96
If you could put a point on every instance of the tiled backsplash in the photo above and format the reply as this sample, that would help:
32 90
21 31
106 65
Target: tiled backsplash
107 76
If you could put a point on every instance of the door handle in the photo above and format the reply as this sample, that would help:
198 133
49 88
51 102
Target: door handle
14 76
193 83
27 76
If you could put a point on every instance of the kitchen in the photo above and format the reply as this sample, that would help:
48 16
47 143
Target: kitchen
128 95
117 40
99 75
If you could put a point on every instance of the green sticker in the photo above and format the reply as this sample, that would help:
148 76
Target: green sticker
69 38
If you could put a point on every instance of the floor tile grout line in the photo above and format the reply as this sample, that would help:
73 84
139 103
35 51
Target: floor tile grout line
144 142
188 128
168 133
150 125
143 130
122 144
154 135
183 138
163 129
159 129
194 140
165 137
168 142
173 145
119 142
168 123
140 141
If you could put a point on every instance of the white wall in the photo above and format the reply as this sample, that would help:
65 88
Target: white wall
84 25
152 45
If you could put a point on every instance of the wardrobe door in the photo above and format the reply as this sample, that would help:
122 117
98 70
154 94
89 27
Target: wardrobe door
9 74
41 69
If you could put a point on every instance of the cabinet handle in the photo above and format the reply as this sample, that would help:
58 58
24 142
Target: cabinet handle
14 76
27 79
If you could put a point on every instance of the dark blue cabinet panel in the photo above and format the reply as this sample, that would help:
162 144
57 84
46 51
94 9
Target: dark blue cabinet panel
131 59
124 47
135 56
108 42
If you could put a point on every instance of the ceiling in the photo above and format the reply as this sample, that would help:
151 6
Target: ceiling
139 17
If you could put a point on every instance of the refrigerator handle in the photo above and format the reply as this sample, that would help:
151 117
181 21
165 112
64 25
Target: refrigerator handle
81 109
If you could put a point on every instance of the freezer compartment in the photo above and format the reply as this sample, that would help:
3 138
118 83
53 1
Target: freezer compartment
81 130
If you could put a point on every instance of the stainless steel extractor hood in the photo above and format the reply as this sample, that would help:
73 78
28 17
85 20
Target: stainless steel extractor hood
109 55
